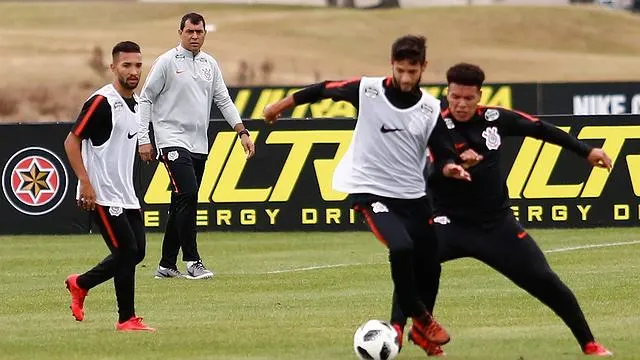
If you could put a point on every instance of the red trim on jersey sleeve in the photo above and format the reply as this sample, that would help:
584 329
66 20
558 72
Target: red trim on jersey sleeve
526 116
92 108
339 84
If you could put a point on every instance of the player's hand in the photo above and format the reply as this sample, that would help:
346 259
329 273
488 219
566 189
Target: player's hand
146 152
87 200
456 171
271 115
248 146
470 158
597 157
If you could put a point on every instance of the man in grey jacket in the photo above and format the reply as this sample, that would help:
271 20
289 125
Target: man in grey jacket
177 98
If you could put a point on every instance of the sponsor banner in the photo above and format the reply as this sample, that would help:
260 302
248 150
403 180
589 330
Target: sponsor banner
38 185
590 98
287 186
251 101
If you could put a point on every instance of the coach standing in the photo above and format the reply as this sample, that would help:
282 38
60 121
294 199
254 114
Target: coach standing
177 98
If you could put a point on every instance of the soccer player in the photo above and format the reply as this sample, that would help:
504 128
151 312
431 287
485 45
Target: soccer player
177 98
382 170
101 149
474 219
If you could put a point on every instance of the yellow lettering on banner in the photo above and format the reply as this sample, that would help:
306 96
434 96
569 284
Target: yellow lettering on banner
341 109
522 165
620 212
534 212
300 111
559 213
435 91
247 217
242 99
584 211
226 191
152 218
215 163
352 216
202 217
309 216
516 212
302 142
329 108
500 97
333 215
223 216
537 187
633 162
158 191
614 136
267 96
272 214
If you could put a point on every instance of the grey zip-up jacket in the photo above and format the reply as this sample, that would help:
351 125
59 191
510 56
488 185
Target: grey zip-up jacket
177 98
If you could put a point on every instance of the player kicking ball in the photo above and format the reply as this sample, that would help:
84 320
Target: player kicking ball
474 219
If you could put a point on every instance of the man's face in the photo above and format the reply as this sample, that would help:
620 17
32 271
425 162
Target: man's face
192 36
127 68
463 100
407 75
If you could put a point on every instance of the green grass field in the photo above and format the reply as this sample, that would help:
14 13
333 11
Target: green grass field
264 304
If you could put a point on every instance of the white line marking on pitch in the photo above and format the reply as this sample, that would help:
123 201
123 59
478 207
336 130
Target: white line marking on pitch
572 248
315 268
594 246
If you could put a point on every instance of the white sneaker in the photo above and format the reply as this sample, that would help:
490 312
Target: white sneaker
167 273
196 270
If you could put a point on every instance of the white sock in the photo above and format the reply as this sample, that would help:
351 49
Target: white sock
189 263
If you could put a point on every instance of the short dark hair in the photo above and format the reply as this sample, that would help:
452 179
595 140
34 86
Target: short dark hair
125 47
193 18
410 47
465 74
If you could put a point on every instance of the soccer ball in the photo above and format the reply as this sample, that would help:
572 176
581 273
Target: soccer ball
375 340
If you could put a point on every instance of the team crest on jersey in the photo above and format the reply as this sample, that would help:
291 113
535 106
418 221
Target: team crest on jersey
34 181
371 92
118 105
449 123
206 73
379 207
172 155
491 115
426 109
115 210
492 138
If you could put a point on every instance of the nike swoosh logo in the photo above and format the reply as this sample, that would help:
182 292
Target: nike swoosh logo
179 71
385 130
130 136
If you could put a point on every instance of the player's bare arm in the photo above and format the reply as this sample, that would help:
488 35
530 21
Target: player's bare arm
73 148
